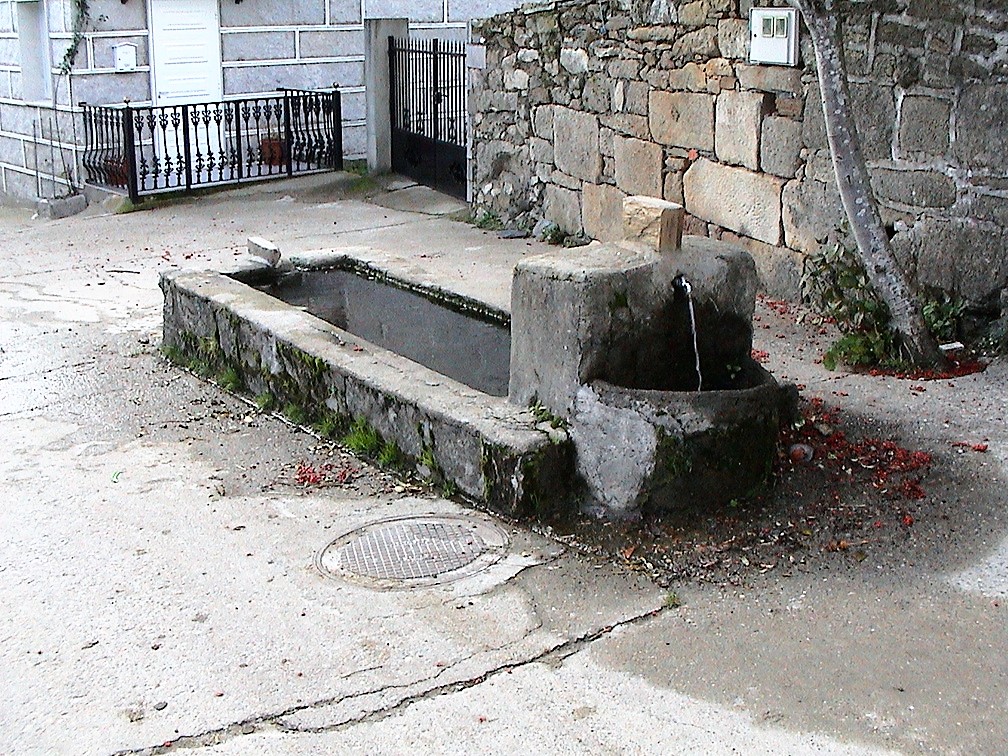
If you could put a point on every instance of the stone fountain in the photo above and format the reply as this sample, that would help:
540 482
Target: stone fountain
630 387
643 348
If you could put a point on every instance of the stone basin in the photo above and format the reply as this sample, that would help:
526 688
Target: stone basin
643 451
466 441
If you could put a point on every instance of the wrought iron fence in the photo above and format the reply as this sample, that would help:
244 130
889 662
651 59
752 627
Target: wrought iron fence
152 149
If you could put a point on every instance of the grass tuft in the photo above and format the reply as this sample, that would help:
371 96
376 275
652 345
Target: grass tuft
295 413
230 380
362 438
391 455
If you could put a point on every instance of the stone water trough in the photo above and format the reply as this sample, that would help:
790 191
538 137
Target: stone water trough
627 371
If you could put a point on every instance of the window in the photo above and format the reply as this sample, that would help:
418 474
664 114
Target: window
33 39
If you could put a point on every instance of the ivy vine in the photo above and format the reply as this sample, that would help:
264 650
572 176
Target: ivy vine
81 23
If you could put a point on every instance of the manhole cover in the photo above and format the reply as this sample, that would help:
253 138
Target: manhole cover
414 551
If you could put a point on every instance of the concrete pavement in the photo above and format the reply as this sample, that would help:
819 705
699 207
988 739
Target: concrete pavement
158 576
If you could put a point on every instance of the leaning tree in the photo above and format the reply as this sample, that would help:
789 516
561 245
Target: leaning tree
822 17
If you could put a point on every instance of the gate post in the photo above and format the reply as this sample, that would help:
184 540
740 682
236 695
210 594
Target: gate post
377 83
129 147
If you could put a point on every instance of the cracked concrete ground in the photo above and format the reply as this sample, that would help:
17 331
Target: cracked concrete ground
157 557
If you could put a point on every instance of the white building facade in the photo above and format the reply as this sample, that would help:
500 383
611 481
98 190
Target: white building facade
166 52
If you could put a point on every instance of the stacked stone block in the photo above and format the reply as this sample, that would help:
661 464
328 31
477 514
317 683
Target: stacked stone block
576 110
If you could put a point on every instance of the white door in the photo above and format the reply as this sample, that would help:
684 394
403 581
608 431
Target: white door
186 70
186 51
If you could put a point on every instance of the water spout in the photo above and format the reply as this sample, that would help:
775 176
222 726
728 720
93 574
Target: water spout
681 284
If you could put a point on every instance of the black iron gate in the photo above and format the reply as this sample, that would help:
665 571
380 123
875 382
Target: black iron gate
428 110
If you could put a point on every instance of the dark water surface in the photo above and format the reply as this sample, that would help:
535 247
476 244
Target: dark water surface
464 346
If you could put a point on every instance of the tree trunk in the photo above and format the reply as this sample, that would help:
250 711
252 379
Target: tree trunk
896 290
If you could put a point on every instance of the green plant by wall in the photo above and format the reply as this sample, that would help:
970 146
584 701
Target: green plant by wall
328 425
488 221
230 379
391 455
173 354
265 401
427 459
81 23
428 467
863 349
835 283
675 456
943 314
362 438
362 185
295 413
543 415
204 356
555 235
199 366
357 167
576 240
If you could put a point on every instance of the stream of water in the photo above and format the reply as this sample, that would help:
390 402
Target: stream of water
680 282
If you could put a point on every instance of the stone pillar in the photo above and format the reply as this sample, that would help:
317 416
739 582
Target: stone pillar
573 319
377 82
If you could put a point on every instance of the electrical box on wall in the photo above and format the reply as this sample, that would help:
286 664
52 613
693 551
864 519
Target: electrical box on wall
773 36
125 56
476 56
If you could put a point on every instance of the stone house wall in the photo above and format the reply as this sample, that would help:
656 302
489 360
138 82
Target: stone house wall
264 45
582 103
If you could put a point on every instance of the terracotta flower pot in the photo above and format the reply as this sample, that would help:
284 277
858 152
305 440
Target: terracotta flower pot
272 151
117 172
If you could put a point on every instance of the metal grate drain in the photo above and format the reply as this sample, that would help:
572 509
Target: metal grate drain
414 551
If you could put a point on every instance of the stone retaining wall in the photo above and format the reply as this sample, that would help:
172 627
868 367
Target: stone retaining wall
582 103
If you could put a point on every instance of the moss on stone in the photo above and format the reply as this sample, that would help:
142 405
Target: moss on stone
673 458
